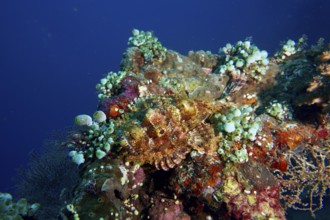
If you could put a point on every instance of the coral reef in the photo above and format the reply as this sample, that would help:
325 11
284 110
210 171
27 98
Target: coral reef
302 83
234 135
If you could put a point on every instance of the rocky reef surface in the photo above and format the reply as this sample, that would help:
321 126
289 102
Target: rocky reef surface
234 135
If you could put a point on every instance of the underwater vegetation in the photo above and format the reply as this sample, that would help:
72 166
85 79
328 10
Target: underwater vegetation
234 135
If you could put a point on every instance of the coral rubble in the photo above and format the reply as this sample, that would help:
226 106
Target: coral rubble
235 135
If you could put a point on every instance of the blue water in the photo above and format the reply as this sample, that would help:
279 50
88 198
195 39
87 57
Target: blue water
52 53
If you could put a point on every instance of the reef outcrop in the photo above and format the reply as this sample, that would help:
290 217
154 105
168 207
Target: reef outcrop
234 135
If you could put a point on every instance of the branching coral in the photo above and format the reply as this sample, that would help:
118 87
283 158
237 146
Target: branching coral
306 181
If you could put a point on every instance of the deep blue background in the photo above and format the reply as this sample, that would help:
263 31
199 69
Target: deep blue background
52 53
